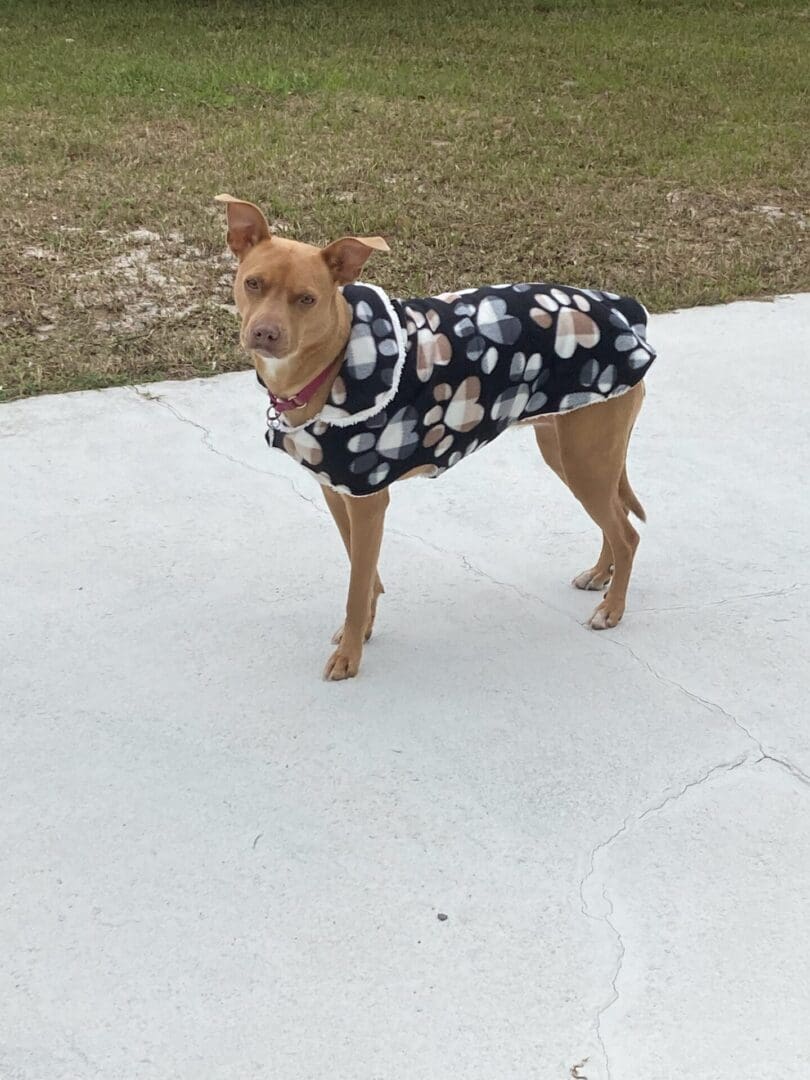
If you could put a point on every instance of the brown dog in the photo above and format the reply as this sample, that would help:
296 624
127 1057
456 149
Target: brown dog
296 324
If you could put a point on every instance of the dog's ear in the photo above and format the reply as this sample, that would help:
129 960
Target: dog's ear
247 225
345 257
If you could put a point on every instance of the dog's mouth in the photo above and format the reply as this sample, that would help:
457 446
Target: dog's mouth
272 354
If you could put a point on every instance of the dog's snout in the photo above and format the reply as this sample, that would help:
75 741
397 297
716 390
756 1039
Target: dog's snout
264 335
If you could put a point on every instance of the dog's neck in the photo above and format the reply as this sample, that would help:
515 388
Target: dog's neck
285 376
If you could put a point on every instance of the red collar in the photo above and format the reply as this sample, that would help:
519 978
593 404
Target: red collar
301 397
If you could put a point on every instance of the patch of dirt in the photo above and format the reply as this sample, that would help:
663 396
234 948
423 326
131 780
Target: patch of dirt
147 279
84 307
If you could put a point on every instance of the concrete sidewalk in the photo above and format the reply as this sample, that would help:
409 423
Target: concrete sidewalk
214 865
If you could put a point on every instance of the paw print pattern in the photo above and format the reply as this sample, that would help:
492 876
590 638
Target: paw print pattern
524 395
384 441
549 303
484 327
470 448
303 447
627 341
597 381
431 347
455 413
372 338
574 326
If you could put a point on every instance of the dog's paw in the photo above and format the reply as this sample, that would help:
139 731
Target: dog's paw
593 579
607 615
344 663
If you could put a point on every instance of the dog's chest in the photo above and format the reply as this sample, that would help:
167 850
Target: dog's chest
427 381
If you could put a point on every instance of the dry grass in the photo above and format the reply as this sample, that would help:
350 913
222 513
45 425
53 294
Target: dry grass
655 148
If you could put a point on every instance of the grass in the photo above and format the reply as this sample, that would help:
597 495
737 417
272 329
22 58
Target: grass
659 148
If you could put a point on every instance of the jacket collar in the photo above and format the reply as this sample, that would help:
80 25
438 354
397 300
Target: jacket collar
373 361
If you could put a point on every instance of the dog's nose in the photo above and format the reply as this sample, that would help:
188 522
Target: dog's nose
263 335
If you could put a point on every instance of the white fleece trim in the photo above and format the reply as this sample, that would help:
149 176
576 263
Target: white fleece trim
385 399
341 489
600 399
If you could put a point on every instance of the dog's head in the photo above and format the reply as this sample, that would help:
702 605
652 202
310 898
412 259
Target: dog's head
287 293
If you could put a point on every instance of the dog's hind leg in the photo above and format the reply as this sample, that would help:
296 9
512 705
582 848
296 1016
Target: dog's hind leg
598 577
592 444
337 506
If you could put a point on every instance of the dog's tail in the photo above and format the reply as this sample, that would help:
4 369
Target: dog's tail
629 498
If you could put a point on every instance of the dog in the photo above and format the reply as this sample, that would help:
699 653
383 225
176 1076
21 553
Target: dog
365 390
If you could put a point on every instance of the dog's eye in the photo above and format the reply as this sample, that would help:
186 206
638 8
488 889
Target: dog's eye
252 284
307 299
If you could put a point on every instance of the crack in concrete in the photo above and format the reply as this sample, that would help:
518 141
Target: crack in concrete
794 770
208 442
478 572
746 759
711 706
207 438
482 575
728 600
606 916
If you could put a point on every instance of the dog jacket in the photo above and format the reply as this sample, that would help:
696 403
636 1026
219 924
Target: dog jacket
425 382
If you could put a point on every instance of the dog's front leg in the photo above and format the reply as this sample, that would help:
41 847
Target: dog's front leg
337 506
366 522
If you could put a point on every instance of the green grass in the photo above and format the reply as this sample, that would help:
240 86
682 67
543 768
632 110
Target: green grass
628 144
